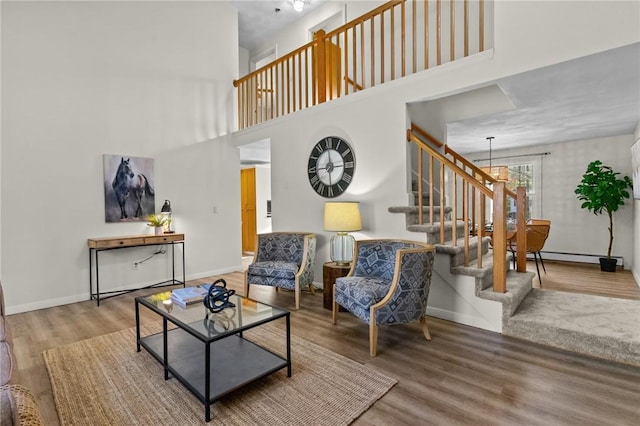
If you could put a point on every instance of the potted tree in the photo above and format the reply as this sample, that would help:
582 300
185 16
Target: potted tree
602 191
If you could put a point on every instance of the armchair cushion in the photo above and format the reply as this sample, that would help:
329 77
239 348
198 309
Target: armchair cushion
274 268
273 273
357 294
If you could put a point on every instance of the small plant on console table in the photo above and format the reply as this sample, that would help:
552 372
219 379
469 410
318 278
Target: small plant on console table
601 190
158 221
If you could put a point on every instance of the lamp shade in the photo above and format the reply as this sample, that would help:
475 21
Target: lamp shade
342 216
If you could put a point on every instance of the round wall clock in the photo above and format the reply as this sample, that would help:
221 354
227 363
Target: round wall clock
331 166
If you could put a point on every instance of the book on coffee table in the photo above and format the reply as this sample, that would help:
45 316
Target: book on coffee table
189 295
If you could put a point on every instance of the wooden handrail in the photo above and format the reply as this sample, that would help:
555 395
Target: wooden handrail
453 166
415 129
472 179
420 131
477 170
328 66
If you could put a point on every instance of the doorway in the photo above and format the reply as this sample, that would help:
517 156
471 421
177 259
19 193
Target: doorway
248 209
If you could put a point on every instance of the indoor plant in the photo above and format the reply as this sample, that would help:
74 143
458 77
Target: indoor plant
158 221
602 191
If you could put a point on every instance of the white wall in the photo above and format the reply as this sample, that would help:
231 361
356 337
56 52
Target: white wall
83 79
263 193
528 35
636 224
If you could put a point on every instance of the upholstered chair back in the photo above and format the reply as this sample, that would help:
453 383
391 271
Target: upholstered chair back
377 258
280 247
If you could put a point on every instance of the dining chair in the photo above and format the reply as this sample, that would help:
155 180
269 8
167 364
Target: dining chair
537 232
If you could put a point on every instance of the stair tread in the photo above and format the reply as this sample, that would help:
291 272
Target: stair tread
518 287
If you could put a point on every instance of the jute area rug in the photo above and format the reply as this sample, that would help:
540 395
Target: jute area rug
104 381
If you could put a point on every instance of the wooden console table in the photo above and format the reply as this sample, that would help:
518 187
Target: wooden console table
96 245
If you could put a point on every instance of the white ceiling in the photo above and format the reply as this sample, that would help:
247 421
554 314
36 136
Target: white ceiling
259 19
586 98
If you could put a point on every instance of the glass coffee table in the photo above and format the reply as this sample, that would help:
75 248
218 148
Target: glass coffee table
208 353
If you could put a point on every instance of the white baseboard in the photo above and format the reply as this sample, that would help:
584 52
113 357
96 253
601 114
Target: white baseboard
576 257
26 307
461 318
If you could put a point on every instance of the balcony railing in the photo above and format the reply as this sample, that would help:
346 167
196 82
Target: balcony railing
394 40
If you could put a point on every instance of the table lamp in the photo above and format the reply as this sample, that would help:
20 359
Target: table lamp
342 217
166 212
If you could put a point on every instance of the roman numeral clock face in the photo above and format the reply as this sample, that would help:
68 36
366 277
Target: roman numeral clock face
331 166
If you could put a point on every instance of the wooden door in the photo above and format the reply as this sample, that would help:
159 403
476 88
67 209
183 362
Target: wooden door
248 206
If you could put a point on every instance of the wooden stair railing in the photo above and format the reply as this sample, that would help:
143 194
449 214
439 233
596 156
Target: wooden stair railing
387 43
468 191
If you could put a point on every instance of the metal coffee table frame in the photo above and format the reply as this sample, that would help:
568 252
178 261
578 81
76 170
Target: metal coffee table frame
229 360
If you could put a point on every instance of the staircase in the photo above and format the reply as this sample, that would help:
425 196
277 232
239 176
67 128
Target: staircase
466 267
464 293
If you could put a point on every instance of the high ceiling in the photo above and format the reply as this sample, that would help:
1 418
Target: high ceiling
259 19
590 97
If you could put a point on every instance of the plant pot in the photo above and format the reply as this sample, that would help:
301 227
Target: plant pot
608 265
159 230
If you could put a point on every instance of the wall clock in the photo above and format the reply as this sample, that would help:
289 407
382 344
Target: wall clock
331 166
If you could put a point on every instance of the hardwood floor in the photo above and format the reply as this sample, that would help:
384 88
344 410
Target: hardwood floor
462 376
586 279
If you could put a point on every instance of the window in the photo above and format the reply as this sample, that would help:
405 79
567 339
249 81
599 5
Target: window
521 175
523 171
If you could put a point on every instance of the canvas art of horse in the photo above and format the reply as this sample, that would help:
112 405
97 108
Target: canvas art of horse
127 184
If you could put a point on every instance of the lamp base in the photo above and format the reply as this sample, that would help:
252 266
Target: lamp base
341 248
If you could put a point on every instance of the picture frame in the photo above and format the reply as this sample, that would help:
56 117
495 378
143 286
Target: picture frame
129 194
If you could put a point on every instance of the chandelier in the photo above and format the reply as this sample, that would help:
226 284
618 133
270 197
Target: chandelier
298 5
499 173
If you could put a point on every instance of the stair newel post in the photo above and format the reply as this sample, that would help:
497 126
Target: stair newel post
499 237
521 229
321 65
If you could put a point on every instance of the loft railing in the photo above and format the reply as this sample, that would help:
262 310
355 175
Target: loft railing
467 190
389 42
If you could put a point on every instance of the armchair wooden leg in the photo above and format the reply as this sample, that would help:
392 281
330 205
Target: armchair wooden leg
312 289
297 297
246 287
334 312
425 329
373 337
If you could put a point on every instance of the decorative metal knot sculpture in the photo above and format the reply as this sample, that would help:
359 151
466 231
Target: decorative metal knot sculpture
217 297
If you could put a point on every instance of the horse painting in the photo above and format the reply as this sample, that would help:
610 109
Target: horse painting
133 186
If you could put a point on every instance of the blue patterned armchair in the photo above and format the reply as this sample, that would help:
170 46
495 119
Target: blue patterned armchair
283 259
388 283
